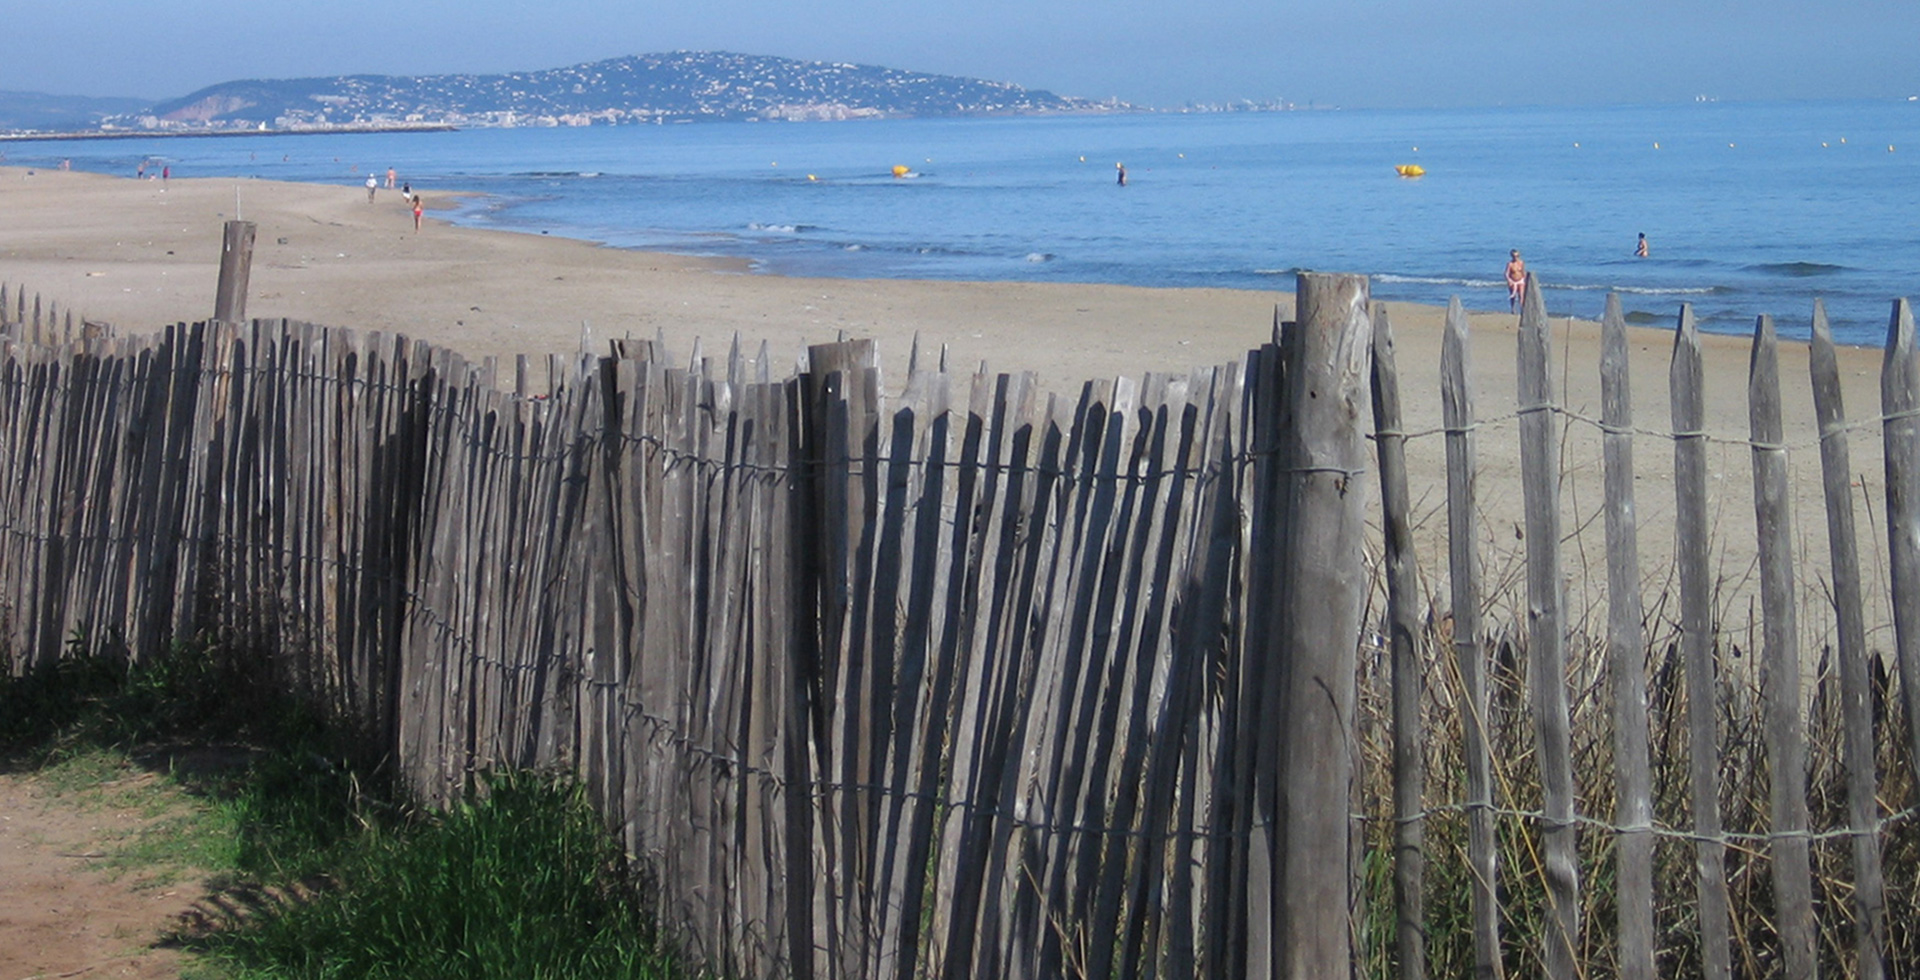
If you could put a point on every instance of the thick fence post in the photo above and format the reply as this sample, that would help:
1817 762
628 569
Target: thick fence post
1324 583
236 265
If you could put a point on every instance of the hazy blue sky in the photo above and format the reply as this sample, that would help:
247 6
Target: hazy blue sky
1356 52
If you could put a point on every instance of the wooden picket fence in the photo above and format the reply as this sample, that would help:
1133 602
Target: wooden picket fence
978 681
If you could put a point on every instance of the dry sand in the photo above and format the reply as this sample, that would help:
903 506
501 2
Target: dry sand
139 254
142 253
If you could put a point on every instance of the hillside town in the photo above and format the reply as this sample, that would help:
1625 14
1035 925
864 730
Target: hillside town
657 88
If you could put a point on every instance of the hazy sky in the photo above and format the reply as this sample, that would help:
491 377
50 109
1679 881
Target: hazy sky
1344 52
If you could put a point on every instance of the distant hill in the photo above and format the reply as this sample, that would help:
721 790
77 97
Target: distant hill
37 110
677 87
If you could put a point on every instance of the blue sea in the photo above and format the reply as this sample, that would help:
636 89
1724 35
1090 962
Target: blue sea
1750 208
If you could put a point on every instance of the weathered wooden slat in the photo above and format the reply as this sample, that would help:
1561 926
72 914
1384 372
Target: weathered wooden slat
1083 612
655 627
1547 635
1856 693
1040 841
1900 433
1002 649
1780 656
1626 660
1175 779
905 572
1691 531
1403 642
1104 865
1157 707
977 473
800 685
1242 940
1469 645
1027 719
846 417
726 684
771 650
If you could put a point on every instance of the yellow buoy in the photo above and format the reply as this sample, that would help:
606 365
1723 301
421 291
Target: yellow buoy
900 170
1409 170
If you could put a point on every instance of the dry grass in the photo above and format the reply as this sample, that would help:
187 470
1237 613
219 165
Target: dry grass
1744 808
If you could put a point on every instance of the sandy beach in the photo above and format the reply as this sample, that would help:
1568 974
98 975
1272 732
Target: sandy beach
140 254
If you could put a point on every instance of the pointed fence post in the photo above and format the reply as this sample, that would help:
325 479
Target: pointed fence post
1692 536
1403 640
1626 658
1856 691
1547 635
1900 409
1469 645
1780 656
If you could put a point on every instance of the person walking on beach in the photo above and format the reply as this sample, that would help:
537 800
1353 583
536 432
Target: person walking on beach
1516 280
373 184
390 176
1640 250
417 209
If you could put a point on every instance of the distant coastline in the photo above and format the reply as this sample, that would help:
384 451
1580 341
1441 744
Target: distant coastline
666 87
145 134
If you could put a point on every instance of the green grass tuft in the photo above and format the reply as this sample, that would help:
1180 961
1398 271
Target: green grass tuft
520 882
319 866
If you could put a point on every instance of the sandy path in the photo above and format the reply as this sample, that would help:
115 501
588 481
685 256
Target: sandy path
60 914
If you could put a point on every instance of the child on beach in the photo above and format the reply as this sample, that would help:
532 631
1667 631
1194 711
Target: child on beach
417 208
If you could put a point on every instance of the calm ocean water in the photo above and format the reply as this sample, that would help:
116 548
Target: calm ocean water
1750 208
